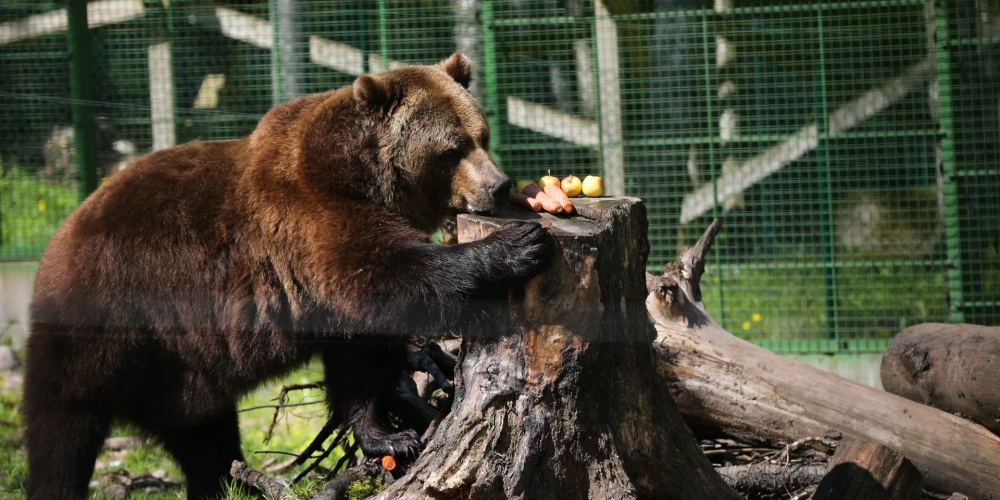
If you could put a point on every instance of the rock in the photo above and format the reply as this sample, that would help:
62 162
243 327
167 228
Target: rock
12 383
8 361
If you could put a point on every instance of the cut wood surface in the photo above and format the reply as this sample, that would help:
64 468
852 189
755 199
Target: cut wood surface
955 368
861 470
557 394
722 382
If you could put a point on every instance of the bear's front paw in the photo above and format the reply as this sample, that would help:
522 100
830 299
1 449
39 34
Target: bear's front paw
405 444
525 251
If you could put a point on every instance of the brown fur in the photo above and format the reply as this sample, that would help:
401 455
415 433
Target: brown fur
205 269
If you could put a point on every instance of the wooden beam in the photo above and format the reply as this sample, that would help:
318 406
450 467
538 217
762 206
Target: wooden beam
161 96
99 13
552 122
612 147
798 144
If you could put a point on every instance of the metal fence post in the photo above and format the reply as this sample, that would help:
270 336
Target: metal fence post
710 136
948 167
826 203
82 93
492 86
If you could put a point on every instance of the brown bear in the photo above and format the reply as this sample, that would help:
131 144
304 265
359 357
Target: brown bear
206 269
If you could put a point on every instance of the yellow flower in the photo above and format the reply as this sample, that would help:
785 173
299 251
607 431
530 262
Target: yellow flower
755 317
41 205
746 325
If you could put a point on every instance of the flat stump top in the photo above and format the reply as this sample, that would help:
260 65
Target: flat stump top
590 217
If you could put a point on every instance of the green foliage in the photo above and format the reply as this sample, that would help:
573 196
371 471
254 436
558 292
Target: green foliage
365 488
33 208
13 463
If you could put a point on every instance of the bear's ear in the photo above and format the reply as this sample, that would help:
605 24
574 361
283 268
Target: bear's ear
458 67
372 91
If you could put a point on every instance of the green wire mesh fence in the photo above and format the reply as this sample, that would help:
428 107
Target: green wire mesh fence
851 147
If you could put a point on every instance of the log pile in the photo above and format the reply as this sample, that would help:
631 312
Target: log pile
724 384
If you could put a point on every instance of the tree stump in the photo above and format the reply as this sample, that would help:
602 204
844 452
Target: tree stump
561 398
869 471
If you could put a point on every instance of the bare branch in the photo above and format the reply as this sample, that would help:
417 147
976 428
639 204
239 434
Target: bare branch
272 489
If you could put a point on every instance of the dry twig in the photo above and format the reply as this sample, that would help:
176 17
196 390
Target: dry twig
272 489
281 403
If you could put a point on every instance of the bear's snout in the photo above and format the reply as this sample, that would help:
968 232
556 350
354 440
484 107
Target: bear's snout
500 191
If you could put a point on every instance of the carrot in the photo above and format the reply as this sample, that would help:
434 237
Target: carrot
523 201
547 202
388 463
560 197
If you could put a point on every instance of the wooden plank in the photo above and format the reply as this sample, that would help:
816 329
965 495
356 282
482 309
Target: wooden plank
804 140
99 13
612 147
551 122
161 96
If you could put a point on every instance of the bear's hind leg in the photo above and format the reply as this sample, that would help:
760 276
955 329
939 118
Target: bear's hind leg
62 448
361 378
205 452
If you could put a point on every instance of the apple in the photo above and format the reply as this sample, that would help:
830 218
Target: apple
593 186
548 180
523 184
571 185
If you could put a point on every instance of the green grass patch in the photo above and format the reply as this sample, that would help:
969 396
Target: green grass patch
873 301
33 208
295 429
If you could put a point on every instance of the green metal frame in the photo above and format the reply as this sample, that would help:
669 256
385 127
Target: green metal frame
814 28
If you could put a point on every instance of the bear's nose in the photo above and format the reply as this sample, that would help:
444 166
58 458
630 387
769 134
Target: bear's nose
500 190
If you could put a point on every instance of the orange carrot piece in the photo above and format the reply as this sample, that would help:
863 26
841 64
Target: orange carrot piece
550 205
557 194
388 463
526 202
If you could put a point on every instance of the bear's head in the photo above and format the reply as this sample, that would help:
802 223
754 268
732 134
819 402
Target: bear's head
432 141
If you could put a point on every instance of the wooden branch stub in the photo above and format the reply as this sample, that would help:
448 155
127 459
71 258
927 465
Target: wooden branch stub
861 470
955 368
557 395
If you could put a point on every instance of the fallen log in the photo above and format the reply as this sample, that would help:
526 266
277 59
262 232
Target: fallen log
556 392
955 368
724 383
869 471
756 480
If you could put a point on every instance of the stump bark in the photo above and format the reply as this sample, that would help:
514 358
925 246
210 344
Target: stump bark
955 368
560 397
723 383
870 471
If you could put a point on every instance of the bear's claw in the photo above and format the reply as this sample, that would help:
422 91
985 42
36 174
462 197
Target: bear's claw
404 444
527 248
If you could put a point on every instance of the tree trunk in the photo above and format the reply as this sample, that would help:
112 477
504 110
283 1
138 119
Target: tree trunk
955 368
562 399
870 471
725 383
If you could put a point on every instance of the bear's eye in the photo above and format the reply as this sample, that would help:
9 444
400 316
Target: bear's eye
451 155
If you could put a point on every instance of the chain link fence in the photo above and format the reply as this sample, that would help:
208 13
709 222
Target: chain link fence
851 147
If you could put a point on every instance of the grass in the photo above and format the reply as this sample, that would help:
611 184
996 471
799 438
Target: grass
295 429
875 301
32 209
